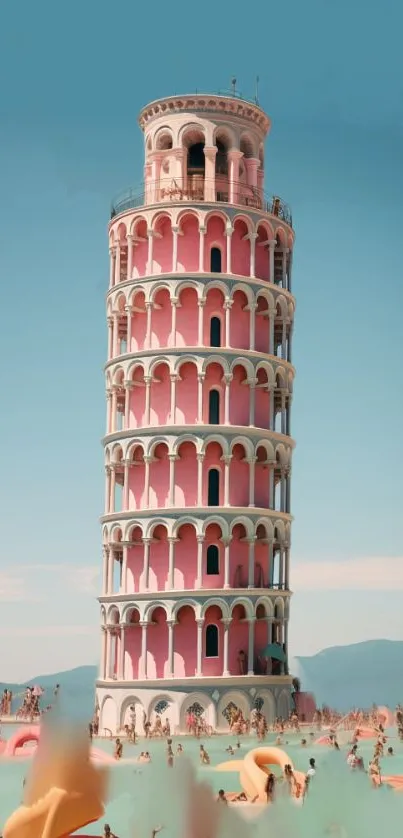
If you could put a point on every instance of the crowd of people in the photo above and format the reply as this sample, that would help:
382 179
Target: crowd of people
29 707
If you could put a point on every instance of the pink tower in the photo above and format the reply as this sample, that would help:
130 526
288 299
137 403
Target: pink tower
196 530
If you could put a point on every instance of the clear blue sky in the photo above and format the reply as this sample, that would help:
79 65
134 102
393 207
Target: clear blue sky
74 77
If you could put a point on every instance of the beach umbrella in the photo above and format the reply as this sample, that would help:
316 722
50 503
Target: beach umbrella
274 651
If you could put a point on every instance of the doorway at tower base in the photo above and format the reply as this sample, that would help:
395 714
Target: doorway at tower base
214 705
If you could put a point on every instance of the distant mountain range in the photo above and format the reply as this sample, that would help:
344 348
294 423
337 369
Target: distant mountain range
358 675
342 677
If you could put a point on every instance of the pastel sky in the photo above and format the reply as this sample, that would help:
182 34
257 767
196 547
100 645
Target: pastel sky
74 78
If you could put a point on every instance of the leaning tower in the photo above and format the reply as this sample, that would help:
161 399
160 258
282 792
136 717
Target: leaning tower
196 527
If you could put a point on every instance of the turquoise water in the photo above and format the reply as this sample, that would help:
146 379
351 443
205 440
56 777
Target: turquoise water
144 796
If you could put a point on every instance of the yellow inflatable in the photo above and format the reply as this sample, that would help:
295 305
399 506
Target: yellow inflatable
63 793
253 771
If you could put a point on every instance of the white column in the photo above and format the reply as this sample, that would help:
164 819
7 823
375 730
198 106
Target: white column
128 387
128 310
252 326
143 674
283 415
150 235
227 393
251 563
147 380
226 644
103 653
121 662
227 463
111 267
227 307
284 340
270 556
174 250
107 489
200 339
105 553
110 337
199 578
200 380
202 231
200 459
271 484
147 461
227 583
251 461
251 401
126 485
272 317
174 379
147 340
282 491
171 499
287 568
271 407
252 238
228 234
170 624
110 571
272 246
146 562
117 265
199 647
281 569
123 583
108 411
108 653
251 645
174 303
112 487
129 255
115 335
171 563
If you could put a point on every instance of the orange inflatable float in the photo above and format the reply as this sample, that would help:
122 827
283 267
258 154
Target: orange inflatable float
64 792
254 768
23 744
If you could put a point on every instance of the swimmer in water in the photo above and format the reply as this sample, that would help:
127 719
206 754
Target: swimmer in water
204 757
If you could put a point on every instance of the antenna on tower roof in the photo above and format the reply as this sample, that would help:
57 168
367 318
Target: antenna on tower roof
257 90
233 85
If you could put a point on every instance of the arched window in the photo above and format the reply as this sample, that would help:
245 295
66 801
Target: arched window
196 159
215 331
213 560
213 487
215 260
214 407
211 641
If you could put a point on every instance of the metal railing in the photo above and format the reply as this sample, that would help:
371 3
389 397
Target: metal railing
200 189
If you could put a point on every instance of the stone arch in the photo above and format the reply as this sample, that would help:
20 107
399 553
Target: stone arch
220 603
283 704
236 699
215 285
127 703
163 138
132 525
246 603
244 522
196 441
189 603
109 714
245 218
171 712
152 606
205 702
113 616
245 441
244 289
267 524
268 708
157 522
246 364
138 219
266 603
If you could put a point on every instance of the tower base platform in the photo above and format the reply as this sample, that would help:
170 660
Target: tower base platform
212 698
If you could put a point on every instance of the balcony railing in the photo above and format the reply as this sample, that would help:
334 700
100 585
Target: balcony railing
198 190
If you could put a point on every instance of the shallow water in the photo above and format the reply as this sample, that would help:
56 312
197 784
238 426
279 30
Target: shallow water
143 796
